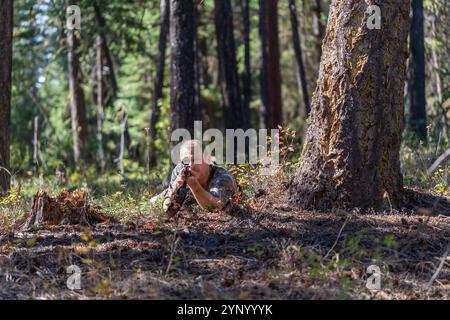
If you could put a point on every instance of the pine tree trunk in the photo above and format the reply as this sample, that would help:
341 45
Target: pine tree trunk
106 52
301 77
231 96
264 111
351 154
416 84
246 78
318 28
6 39
183 82
159 81
273 59
77 103
100 102
197 110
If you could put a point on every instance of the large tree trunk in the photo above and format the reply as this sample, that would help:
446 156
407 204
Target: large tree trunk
273 59
77 102
351 154
183 82
416 83
159 81
231 96
301 77
6 32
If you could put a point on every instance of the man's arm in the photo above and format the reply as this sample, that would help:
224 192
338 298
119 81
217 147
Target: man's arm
176 180
204 199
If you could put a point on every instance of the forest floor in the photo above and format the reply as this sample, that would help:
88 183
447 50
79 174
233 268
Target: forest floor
271 250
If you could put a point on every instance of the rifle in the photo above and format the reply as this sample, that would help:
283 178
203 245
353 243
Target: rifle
180 194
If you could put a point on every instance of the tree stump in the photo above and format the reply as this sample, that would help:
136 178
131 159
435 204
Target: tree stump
68 208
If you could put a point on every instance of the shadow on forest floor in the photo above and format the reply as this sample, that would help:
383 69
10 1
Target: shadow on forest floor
272 251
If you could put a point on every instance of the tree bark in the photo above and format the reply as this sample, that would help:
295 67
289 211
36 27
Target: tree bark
107 53
183 82
301 77
197 110
264 111
6 40
273 59
231 96
100 102
318 28
416 83
246 78
77 102
159 81
351 154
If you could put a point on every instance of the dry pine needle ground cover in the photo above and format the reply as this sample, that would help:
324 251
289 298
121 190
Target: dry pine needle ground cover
267 250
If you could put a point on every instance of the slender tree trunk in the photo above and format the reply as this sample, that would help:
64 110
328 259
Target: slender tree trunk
436 71
100 102
231 96
246 78
159 81
197 110
351 154
318 28
36 142
107 53
273 59
77 102
6 40
301 77
264 111
122 143
182 95
416 84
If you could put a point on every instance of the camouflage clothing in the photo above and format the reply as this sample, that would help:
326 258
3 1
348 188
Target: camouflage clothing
220 184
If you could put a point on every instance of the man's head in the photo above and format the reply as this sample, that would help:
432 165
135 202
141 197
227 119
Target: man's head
191 153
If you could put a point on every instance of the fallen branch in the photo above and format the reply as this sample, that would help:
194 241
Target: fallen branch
438 162
176 239
338 236
435 275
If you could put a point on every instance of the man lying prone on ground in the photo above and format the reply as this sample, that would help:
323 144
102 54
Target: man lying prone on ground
201 182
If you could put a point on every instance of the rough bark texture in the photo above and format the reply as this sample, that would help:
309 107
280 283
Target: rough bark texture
416 83
159 81
273 59
229 80
301 77
77 102
6 29
66 208
351 153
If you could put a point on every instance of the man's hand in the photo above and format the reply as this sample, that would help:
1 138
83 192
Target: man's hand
203 197
193 180
181 177
178 183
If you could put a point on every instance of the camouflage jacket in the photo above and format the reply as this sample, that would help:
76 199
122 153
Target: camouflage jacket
221 184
